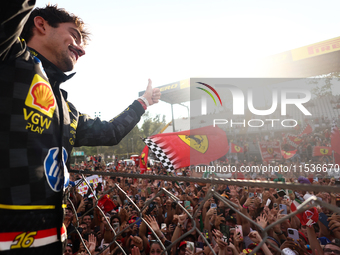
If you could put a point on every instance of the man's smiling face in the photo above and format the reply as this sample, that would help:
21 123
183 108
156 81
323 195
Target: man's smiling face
65 45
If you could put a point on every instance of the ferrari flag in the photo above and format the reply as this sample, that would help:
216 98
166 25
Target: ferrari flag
322 151
190 147
235 148
307 130
270 150
293 140
288 154
143 161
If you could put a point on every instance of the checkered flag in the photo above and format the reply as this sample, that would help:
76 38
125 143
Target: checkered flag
306 130
290 142
160 154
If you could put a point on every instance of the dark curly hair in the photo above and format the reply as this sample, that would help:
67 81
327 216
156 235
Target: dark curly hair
54 16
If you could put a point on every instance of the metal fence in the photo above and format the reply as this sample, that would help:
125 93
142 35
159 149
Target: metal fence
309 203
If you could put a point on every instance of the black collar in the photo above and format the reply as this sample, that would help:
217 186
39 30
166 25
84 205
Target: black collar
54 74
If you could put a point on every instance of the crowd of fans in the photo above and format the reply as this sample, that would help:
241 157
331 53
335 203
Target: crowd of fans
226 231
321 136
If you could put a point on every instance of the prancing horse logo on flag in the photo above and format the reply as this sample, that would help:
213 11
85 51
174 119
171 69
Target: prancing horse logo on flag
197 142
142 158
324 151
237 148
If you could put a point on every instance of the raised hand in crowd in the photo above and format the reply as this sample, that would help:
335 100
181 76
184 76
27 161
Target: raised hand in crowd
262 220
292 245
237 240
256 238
91 245
151 220
334 224
135 251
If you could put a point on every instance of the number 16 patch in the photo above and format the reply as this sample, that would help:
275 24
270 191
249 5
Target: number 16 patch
20 240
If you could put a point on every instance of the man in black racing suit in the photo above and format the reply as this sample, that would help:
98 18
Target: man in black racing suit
39 127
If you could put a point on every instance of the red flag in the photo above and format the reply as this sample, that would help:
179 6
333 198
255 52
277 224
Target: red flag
321 151
335 140
270 150
307 130
235 148
106 204
288 154
190 147
307 217
143 162
293 140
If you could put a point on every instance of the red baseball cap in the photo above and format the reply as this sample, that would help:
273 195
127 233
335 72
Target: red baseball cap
182 243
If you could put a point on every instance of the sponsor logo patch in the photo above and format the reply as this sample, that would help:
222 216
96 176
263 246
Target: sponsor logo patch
54 175
40 96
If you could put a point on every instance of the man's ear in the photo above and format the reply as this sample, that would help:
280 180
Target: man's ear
40 25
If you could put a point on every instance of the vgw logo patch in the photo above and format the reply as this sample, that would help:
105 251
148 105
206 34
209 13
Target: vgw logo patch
54 175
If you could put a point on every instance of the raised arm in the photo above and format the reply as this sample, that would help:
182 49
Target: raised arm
13 15
93 132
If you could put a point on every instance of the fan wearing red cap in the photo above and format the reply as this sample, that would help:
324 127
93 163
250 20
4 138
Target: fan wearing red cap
106 204
182 248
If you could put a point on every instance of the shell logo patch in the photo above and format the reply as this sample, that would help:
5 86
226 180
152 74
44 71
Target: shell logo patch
40 96
197 142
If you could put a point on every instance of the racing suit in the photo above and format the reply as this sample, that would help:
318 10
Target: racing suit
38 129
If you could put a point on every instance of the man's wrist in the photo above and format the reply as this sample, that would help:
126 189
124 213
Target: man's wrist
146 102
142 103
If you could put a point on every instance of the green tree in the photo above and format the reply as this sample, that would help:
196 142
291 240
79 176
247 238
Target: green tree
152 126
132 142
